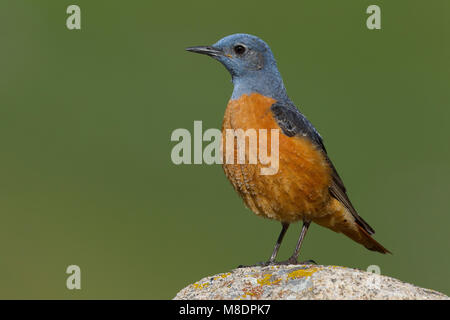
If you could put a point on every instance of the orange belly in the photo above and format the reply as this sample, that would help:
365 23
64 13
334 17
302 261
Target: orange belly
299 190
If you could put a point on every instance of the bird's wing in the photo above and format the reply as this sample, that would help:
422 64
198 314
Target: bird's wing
293 123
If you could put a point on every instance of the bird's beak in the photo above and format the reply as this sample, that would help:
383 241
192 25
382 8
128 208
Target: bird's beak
209 51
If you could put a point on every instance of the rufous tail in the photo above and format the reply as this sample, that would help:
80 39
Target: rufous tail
342 221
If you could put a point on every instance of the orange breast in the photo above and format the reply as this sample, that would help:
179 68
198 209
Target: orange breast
300 187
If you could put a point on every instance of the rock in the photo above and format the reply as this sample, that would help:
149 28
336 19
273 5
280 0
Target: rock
287 282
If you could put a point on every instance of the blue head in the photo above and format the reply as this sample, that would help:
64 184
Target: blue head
250 63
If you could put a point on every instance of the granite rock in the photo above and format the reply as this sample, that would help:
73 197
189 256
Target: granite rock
284 282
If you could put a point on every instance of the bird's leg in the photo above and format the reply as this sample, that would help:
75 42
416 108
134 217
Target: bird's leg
285 226
294 257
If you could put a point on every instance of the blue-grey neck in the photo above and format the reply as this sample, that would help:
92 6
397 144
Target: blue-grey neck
267 82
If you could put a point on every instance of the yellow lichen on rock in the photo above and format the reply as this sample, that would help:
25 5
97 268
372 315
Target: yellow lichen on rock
300 273
200 285
223 276
265 281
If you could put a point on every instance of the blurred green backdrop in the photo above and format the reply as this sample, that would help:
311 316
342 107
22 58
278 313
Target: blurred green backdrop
86 118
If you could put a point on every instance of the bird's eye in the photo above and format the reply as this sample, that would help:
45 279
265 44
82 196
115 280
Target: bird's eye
239 49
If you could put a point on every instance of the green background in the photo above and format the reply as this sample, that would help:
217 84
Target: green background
86 118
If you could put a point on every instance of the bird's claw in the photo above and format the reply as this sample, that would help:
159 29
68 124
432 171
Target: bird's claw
279 263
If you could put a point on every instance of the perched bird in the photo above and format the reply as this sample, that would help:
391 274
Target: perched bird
307 186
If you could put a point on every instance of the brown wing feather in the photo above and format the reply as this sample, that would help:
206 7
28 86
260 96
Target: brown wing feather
337 190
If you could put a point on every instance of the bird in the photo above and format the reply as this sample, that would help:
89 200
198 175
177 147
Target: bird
307 186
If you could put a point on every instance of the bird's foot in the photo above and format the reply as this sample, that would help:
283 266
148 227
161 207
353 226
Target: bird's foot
293 261
289 261
259 264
